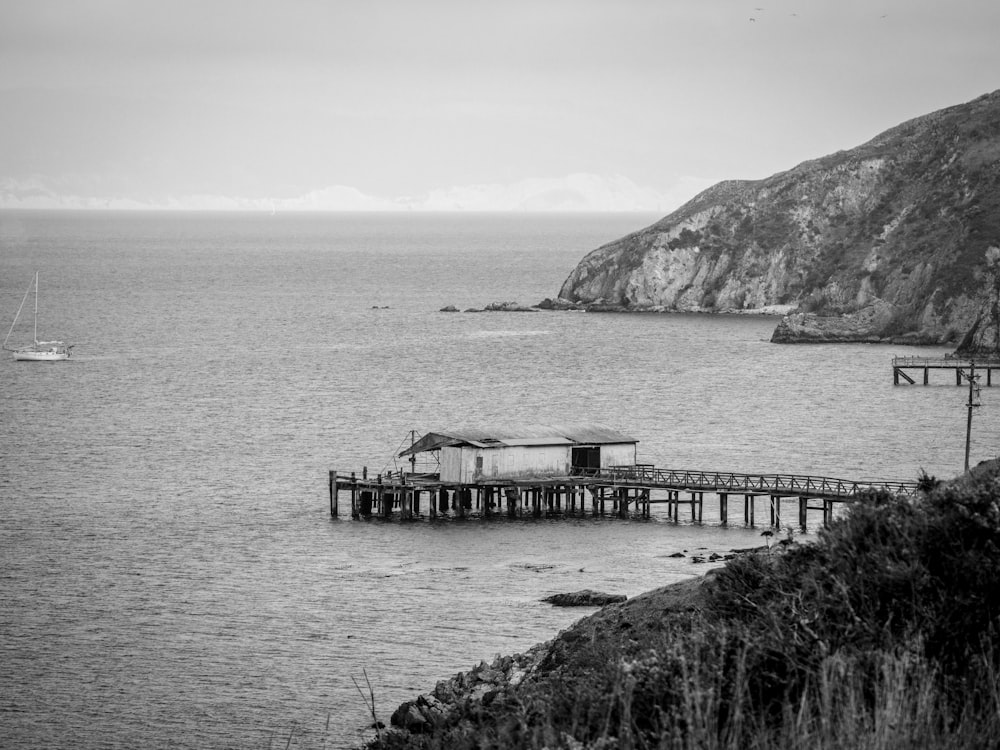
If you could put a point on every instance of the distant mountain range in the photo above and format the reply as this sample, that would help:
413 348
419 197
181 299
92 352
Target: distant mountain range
895 240
576 192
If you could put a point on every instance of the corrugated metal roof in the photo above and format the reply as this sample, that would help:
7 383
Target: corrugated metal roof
536 441
537 434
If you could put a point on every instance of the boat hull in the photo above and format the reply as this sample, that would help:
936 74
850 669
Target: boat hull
49 355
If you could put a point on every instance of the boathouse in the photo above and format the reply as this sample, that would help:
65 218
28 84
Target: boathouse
485 454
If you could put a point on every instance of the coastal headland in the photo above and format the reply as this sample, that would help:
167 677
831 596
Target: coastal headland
894 241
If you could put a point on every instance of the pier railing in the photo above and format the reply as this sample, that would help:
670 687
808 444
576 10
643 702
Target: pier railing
764 484
947 360
903 367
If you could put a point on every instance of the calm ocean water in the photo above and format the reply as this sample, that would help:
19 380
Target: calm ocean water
170 575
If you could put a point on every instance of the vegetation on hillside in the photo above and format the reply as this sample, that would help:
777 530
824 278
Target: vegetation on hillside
883 633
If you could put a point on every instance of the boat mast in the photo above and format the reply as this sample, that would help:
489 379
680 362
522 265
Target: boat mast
36 309
19 307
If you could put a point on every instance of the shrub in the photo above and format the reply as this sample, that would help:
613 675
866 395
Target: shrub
897 578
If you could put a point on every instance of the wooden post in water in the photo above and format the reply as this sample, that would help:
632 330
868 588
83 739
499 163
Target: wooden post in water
384 503
724 508
355 509
803 511
697 496
333 493
749 515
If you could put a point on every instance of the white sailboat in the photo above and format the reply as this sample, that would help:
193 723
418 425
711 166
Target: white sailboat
39 351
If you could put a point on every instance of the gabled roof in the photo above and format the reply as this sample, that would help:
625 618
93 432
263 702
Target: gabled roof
483 437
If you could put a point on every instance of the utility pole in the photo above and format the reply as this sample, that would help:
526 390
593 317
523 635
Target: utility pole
973 402
413 456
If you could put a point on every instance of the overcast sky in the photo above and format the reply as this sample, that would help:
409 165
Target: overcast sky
190 102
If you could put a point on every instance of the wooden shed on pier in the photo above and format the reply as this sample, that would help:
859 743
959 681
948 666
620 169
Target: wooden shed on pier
470 455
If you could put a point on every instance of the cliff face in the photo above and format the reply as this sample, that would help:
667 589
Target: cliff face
888 241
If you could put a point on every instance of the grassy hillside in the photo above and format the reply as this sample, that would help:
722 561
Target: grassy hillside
882 633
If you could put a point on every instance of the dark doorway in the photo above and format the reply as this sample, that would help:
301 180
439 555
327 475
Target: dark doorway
586 460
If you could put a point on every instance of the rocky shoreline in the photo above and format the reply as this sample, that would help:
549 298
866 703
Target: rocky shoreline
563 305
486 683
794 327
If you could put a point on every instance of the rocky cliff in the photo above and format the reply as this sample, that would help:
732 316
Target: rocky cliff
894 240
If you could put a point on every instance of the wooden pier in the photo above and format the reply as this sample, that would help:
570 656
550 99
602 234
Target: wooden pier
962 368
621 490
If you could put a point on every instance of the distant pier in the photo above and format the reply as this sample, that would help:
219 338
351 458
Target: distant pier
620 490
904 368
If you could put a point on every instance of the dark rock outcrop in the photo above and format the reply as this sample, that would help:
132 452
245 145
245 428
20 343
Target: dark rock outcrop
508 307
584 598
894 240
496 307
558 304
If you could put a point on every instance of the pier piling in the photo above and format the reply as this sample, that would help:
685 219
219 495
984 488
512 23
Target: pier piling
334 495
631 491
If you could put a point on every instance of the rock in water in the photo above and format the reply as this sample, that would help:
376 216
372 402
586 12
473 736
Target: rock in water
585 598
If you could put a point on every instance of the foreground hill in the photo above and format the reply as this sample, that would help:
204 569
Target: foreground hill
881 633
887 241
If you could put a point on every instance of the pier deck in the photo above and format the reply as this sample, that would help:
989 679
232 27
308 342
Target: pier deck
624 488
924 365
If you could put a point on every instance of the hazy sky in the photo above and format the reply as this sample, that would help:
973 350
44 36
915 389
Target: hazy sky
162 102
